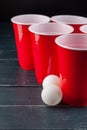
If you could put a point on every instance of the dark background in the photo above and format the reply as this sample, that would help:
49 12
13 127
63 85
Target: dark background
10 8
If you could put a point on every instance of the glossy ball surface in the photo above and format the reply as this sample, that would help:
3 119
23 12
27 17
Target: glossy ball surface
52 95
49 80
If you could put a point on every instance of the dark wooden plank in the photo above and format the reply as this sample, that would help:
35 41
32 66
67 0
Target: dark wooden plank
7 40
7 43
12 75
20 95
8 53
42 117
6 28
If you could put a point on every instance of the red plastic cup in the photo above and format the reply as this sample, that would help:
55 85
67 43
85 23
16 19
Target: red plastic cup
73 20
44 47
83 29
22 37
72 56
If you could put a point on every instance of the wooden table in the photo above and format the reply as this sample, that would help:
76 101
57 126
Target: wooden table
21 106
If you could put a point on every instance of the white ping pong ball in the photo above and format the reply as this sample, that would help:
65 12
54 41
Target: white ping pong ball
51 79
52 95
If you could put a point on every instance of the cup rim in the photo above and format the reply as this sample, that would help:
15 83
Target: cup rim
77 19
83 28
57 41
50 25
15 20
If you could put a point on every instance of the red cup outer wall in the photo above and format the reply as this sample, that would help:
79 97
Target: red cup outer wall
73 70
45 56
24 46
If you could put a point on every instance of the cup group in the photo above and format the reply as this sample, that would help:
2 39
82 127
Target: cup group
58 46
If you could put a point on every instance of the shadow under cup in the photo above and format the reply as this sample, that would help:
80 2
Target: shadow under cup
44 47
72 52
22 37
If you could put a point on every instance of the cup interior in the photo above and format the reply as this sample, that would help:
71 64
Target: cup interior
72 41
69 19
50 29
28 19
83 28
